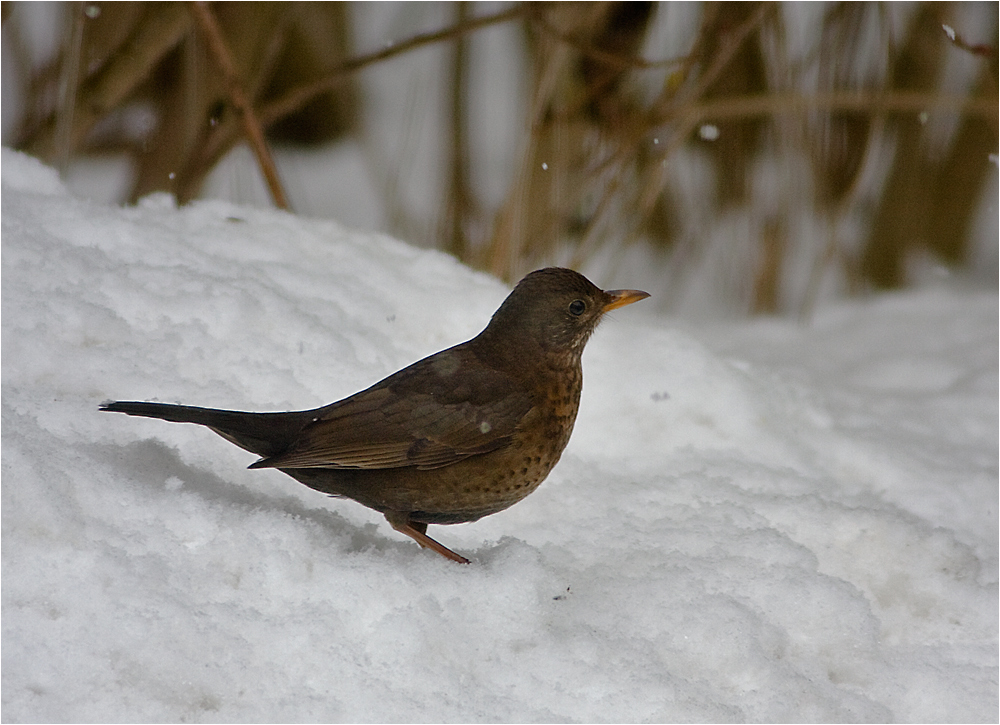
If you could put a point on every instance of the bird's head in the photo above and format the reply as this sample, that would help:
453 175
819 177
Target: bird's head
554 310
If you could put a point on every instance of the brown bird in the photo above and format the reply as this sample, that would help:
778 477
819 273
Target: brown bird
454 437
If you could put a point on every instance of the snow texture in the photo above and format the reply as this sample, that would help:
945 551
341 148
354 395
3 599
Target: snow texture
755 522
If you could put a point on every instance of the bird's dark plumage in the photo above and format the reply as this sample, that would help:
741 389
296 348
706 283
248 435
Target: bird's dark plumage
454 437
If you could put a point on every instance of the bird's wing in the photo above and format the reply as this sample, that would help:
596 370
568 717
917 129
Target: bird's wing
432 414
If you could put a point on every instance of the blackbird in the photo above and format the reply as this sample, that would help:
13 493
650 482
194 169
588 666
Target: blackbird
454 437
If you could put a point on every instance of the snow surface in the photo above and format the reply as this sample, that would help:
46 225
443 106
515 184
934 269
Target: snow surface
756 522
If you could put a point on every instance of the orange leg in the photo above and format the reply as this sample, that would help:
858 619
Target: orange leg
416 531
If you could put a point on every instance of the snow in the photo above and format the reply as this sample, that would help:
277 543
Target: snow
760 521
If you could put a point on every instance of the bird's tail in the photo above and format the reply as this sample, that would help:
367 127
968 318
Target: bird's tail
266 434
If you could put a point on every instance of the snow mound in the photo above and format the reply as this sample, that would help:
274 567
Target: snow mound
759 523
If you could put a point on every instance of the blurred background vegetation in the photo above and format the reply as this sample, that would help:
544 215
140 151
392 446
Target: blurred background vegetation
754 155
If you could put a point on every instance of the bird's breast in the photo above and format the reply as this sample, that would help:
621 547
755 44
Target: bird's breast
558 400
546 430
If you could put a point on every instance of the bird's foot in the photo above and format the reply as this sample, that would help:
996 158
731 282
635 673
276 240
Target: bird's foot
416 531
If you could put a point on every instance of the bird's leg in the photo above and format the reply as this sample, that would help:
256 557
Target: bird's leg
417 532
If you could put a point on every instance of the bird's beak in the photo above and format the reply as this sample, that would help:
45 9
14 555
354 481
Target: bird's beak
622 297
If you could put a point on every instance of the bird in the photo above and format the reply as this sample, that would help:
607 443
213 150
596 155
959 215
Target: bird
454 437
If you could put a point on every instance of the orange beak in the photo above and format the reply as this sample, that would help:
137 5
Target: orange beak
622 297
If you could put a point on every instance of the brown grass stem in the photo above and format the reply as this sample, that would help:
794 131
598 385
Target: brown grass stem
209 27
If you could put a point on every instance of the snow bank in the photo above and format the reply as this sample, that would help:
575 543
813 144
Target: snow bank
754 522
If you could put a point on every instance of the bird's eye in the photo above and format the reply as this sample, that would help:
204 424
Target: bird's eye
576 307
